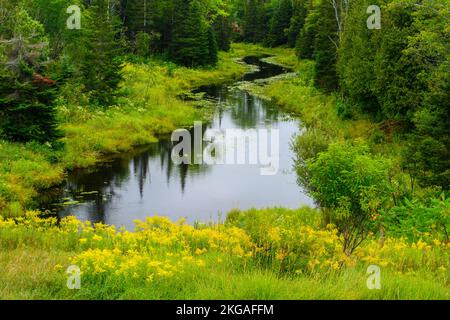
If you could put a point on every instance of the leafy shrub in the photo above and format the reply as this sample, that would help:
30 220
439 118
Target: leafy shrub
351 186
416 221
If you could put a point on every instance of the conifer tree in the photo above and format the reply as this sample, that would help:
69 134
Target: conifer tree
279 24
325 47
212 47
305 42
297 22
27 111
100 48
137 16
253 22
222 28
189 44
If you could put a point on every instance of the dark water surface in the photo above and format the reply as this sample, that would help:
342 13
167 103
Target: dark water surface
145 182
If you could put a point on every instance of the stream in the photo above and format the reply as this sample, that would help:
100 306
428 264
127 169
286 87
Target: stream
145 182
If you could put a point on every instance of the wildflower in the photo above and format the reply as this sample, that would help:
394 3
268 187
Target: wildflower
274 235
442 269
57 267
280 256
97 238
200 263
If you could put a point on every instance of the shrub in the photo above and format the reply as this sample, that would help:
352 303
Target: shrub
416 221
351 186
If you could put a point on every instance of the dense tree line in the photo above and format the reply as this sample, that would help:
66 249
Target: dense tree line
397 74
40 54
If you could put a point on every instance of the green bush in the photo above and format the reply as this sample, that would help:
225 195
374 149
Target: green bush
416 221
351 186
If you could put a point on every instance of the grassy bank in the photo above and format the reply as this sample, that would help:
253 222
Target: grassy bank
150 105
257 254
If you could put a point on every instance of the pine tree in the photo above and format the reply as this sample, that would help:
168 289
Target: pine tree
100 48
222 28
253 22
325 48
305 42
212 47
138 16
297 22
280 23
27 110
189 44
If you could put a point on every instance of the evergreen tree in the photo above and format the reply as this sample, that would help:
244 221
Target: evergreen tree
305 42
212 47
100 47
325 48
27 111
222 28
355 65
137 16
189 44
280 24
297 22
253 22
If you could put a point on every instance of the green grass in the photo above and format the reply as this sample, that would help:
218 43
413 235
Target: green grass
34 254
297 256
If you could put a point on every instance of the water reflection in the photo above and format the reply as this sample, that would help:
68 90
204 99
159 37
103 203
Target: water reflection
146 182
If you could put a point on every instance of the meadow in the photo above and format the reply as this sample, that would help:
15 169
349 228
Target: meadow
258 254
272 253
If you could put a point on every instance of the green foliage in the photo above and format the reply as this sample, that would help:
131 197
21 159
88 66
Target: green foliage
192 41
254 23
325 46
305 42
27 110
297 21
139 16
222 28
97 57
142 44
357 54
416 221
352 186
279 24
400 73
213 48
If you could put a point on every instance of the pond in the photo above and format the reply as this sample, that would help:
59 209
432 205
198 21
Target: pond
146 182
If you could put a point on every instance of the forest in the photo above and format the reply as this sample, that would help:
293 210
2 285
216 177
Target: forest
368 82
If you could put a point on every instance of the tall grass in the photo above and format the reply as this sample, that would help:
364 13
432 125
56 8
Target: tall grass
286 256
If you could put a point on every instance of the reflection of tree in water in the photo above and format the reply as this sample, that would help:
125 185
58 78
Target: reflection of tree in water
249 111
98 187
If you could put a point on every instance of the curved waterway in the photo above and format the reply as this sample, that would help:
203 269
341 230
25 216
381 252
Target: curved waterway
146 182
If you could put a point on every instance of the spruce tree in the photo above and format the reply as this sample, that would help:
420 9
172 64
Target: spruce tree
137 16
325 48
100 48
189 44
212 47
253 26
222 28
305 42
280 24
297 22
27 109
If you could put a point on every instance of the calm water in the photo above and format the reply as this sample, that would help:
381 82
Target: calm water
146 182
